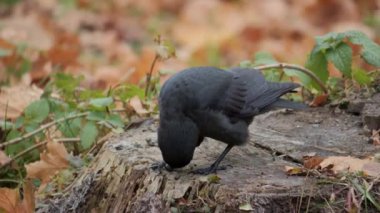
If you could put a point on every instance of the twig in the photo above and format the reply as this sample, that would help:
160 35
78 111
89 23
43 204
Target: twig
296 67
10 181
42 128
35 146
65 140
149 75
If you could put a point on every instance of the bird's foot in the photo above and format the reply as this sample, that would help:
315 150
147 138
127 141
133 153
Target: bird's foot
208 170
158 166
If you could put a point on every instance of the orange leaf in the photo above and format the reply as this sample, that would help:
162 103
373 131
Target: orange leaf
312 162
51 161
319 100
10 199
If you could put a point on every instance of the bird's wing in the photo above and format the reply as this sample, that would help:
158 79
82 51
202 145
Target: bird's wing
249 93
236 95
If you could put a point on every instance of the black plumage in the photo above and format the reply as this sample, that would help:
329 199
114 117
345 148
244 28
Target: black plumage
210 102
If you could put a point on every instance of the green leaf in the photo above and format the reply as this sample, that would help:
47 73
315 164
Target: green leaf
317 63
71 128
90 93
88 135
128 91
371 50
96 116
67 84
14 149
361 77
328 41
371 54
357 37
115 120
264 58
37 111
305 79
341 57
101 102
31 127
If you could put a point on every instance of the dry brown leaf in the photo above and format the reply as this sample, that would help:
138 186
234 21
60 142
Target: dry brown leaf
137 106
10 199
4 159
51 161
350 164
13 100
21 29
65 51
312 162
28 203
319 100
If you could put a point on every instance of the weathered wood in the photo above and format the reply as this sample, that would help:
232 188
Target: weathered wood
120 179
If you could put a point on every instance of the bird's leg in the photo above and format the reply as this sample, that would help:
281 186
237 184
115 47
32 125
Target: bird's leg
158 166
214 167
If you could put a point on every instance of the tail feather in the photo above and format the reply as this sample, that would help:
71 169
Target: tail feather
272 93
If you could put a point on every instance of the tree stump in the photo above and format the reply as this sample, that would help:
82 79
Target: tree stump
120 179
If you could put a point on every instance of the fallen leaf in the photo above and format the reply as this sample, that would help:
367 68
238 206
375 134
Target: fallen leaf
28 203
350 164
51 161
4 159
13 100
319 100
137 106
312 162
10 200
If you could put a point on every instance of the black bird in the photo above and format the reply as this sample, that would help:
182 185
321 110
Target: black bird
210 102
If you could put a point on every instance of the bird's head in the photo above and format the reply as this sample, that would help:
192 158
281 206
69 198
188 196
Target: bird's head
177 140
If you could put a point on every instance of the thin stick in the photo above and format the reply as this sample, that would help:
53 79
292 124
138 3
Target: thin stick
42 128
35 146
296 67
149 75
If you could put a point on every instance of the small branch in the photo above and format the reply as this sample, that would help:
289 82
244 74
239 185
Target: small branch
66 140
10 181
296 67
149 75
42 128
35 146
